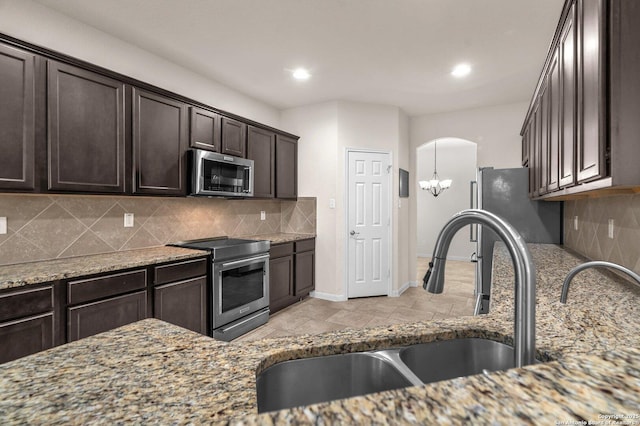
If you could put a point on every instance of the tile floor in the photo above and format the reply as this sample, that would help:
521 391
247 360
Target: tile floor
318 316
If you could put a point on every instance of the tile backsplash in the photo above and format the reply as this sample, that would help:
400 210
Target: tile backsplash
53 226
592 236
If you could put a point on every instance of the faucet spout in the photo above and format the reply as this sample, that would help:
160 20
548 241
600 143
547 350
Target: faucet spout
602 263
525 275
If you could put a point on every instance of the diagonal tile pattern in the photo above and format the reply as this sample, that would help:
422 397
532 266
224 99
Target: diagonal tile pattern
591 238
44 227
313 316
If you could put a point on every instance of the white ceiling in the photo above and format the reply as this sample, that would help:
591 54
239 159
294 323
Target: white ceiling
393 52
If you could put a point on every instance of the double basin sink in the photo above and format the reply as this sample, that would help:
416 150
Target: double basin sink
308 381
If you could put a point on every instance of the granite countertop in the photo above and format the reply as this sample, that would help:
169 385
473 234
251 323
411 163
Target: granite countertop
153 372
21 274
280 237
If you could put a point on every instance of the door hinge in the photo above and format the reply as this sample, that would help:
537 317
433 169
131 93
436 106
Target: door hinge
389 169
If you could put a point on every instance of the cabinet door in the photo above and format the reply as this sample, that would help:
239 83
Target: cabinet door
17 119
261 148
234 137
280 283
534 155
543 139
305 273
97 317
25 337
159 144
86 143
183 303
286 167
553 90
567 101
205 130
592 78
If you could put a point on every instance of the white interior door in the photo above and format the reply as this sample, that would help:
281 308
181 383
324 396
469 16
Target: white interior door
369 223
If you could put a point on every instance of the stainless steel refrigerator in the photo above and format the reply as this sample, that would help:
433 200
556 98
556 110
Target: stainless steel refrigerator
505 193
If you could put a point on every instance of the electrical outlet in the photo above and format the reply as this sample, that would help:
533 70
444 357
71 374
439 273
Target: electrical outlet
128 220
575 223
263 215
3 225
399 203
611 228
332 203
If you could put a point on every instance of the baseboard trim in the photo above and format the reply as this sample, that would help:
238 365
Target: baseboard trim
460 258
328 296
403 288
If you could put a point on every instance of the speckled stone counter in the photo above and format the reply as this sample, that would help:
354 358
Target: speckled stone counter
22 274
152 372
279 237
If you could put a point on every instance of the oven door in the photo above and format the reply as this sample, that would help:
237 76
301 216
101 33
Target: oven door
240 287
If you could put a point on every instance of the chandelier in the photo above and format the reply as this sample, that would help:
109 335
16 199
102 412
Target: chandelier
435 185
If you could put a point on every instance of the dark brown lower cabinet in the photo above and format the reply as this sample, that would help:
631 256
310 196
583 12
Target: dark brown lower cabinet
305 273
25 336
291 273
281 282
97 317
183 303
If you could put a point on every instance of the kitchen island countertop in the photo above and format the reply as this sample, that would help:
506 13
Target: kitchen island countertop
153 372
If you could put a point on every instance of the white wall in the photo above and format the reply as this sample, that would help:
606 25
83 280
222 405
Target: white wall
37 24
318 161
327 130
456 161
495 130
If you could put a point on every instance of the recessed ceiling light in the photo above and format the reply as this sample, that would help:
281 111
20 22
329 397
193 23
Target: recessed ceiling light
300 74
461 70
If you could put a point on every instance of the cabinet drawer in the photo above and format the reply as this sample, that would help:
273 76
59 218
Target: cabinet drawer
97 317
280 250
25 337
81 291
180 271
26 302
305 245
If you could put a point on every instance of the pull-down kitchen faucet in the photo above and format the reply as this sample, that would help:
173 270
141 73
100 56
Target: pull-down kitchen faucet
525 275
574 271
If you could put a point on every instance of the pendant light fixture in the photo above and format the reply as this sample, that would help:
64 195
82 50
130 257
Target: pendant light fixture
435 185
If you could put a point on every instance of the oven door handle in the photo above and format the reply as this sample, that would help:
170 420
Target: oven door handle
243 262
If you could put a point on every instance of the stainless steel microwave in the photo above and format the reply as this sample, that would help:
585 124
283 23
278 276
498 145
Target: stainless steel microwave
214 174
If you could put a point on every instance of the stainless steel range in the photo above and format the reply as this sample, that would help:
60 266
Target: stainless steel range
239 284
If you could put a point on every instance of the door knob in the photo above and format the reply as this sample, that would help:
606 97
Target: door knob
352 233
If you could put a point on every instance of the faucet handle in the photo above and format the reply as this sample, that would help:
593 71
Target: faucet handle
425 280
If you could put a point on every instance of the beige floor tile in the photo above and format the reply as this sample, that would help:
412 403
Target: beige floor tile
313 316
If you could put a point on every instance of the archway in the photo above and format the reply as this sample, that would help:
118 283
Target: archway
456 160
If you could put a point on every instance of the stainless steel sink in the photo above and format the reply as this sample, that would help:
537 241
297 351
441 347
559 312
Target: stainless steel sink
307 381
312 380
449 359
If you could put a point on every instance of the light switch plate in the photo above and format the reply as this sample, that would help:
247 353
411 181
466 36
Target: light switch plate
263 215
128 220
3 225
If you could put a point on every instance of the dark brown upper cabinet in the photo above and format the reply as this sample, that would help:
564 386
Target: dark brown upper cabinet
590 82
286 167
205 129
554 123
234 137
17 119
592 90
567 46
159 144
261 148
543 153
86 128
